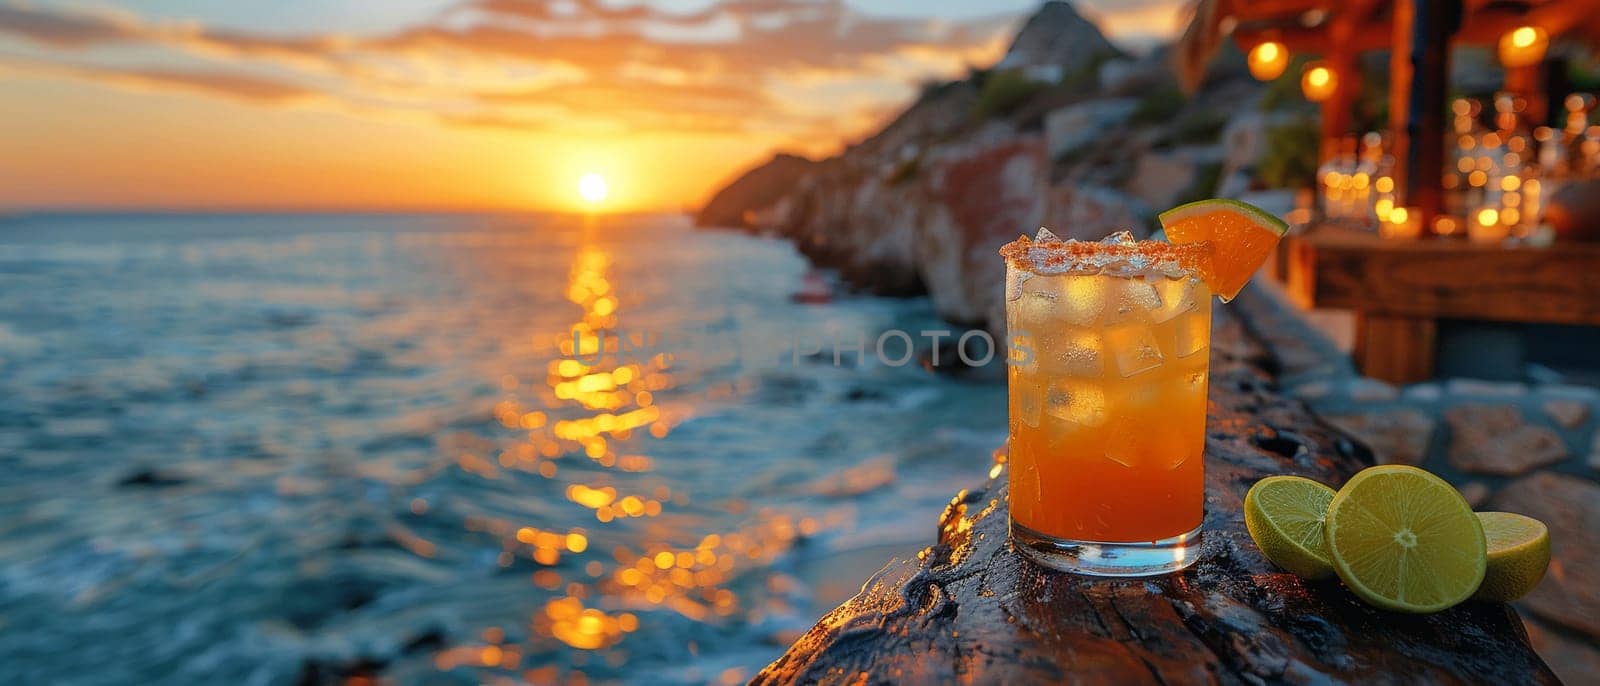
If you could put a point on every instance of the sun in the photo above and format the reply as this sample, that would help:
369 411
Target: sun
592 188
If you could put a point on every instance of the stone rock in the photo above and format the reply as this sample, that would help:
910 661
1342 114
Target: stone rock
940 112
1569 392
1245 138
150 477
1043 73
1091 212
1395 436
1161 178
1474 388
1496 440
1312 391
1277 202
1365 390
1083 212
1570 506
1300 353
1476 493
988 193
1058 35
1569 414
1423 392
755 191
1574 660
1130 77
970 609
1068 129
1234 184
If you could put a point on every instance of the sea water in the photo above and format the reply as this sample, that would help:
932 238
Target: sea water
276 448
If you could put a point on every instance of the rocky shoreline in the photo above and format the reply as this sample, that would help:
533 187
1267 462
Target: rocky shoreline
1067 131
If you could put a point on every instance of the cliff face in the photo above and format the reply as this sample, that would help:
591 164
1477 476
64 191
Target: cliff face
1055 36
740 203
1064 132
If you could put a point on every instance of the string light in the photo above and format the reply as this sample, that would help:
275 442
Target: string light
1318 82
1268 60
1523 46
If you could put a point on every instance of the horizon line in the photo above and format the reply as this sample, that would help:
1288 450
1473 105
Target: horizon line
63 210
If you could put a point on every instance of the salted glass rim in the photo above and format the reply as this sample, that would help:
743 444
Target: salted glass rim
1117 255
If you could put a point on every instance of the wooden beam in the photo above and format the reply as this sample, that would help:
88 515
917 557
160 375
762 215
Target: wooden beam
1484 27
1479 28
1419 73
1437 279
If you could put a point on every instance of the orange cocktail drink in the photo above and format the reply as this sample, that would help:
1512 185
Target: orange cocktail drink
1109 357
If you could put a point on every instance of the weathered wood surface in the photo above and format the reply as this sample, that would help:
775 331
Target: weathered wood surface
972 610
1446 279
1401 289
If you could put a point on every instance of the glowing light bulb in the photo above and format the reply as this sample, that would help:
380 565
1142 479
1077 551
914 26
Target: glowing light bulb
1319 82
1268 60
1523 46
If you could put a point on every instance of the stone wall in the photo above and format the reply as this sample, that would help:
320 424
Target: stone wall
1527 448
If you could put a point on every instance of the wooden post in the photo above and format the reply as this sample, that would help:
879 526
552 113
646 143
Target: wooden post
1419 71
1554 87
1396 349
1524 81
1337 109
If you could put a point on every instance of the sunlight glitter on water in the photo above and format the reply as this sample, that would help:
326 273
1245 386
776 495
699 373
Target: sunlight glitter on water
352 447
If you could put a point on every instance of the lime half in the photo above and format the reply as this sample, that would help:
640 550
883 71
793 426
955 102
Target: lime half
1519 552
1241 234
1284 515
1402 539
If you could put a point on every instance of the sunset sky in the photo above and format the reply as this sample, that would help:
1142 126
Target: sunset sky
461 104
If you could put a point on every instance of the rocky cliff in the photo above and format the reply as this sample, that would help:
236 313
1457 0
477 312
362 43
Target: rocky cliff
1066 131
740 202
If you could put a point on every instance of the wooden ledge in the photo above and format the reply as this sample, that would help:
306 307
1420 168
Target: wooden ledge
970 609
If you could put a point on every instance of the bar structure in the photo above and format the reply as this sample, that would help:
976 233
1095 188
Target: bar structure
1401 290
1419 76
1419 35
1398 284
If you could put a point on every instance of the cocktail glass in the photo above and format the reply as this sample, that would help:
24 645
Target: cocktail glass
1108 364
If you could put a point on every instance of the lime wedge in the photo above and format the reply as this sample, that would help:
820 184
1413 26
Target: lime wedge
1284 515
1519 552
1402 539
1242 234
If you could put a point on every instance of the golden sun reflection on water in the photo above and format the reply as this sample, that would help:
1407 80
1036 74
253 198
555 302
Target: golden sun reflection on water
597 398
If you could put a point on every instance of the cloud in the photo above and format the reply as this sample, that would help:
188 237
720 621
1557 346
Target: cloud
636 95
501 122
60 30
231 85
628 67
